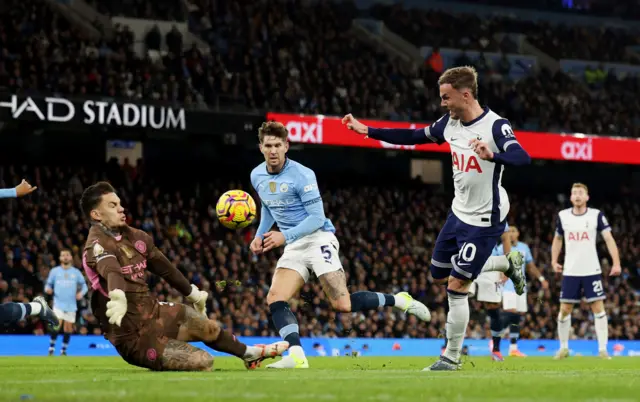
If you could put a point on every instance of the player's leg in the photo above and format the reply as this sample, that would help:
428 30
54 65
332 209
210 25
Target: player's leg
445 248
54 338
67 328
324 260
285 284
194 327
493 311
181 356
11 313
488 291
595 295
513 306
475 245
570 294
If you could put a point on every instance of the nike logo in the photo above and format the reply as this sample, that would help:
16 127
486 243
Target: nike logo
453 139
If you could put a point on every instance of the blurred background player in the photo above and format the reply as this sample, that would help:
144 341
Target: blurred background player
487 289
579 226
11 313
291 199
514 305
67 285
481 143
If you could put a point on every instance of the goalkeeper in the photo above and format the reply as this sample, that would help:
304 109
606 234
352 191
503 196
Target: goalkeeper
146 332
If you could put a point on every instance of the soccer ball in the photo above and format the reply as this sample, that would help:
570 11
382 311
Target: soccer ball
236 209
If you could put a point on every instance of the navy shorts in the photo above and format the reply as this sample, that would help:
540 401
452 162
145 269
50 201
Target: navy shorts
575 287
461 250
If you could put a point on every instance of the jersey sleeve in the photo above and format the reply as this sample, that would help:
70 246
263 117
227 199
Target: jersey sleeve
435 132
559 228
307 187
104 261
50 279
82 283
503 134
603 223
160 265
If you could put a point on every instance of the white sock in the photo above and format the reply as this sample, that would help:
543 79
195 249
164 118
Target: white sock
296 351
496 263
36 308
602 330
457 321
401 302
564 326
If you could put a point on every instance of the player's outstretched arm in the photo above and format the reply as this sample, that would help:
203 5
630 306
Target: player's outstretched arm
616 268
20 190
399 136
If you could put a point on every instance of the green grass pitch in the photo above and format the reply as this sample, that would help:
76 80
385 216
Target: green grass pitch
329 379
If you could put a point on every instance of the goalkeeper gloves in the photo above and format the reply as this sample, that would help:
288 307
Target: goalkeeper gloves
199 300
116 307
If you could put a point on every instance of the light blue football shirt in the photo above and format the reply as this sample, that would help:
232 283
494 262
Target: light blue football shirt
65 284
291 199
526 251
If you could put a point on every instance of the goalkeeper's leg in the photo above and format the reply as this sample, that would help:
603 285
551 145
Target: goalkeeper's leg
196 327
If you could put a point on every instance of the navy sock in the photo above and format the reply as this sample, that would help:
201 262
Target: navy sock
285 322
13 312
65 342
514 329
496 328
361 301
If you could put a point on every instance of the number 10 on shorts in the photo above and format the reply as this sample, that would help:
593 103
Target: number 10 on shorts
467 252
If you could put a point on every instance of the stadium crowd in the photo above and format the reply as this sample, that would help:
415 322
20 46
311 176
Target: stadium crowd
386 233
298 57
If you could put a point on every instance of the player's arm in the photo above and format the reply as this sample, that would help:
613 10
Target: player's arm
20 190
400 136
160 265
48 287
266 221
306 188
511 152
605 229
556 246
108 267
83 285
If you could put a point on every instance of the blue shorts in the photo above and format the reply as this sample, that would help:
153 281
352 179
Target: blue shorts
463 248
574 287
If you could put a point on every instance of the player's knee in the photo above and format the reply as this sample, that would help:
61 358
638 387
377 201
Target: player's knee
597 307
275 296
458 285
342 305
441 281
565 310
205 360
211 331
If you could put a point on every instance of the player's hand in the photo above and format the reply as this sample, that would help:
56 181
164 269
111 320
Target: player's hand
48 291
482 149
24 188
116 307
503 278
557 267
199 299
273 240
616 270
545 284
256 246
355 125
79 296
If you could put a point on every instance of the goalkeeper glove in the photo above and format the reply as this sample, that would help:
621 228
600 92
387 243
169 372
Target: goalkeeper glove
116 307
199 300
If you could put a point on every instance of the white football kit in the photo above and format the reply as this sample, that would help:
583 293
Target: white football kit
582 274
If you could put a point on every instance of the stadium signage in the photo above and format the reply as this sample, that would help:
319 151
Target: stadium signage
327 130
96 112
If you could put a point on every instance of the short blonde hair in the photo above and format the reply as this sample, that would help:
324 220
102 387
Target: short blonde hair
580 185
464 77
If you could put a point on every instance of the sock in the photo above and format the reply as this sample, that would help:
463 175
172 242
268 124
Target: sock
13 312
514 329
564 326
52 342
496 263
457 321
228 343
65 342
285 322
602 330
496 328
362 301
33 308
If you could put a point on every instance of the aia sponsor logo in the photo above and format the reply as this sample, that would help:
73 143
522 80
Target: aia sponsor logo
465 164
578 236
